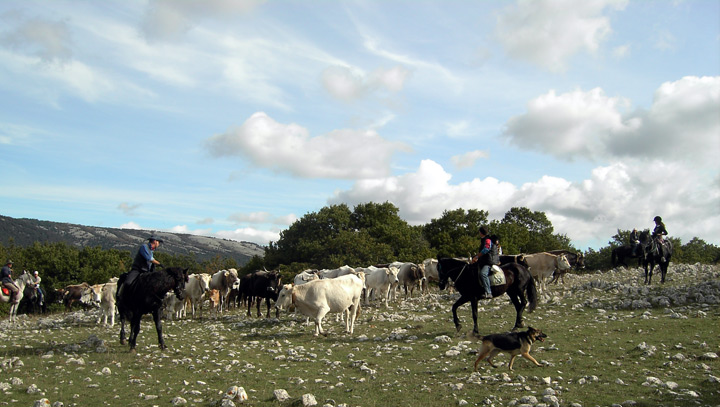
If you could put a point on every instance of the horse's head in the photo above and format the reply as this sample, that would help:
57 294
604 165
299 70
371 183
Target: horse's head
443 274
180 277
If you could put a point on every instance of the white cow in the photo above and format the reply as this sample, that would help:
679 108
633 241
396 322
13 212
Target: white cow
409 276
543 265
195 289
223 281
93 295
429 267
316 298
379 280
107 303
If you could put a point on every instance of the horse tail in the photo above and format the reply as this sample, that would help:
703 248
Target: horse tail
531 295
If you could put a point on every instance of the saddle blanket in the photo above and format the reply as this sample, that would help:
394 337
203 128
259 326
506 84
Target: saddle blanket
497 276
5 291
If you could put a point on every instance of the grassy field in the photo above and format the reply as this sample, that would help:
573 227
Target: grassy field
598 353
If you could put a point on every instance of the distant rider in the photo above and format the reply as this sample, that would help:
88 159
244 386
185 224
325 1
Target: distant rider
36 284
657 236
7 282
634 241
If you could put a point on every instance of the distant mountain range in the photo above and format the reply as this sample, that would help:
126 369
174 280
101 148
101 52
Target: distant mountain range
25 232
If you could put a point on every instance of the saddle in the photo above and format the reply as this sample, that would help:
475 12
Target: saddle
5 291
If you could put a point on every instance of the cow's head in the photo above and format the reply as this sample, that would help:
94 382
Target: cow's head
285 297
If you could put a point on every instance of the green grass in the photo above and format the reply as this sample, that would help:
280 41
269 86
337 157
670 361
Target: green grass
591 357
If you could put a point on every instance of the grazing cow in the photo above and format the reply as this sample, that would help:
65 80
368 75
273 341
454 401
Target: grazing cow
195 289
430 269
263 285
410 276
223 281
76 292
107 303
214 298
543 265
379 280
316 298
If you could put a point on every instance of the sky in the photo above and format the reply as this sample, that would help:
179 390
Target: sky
234 119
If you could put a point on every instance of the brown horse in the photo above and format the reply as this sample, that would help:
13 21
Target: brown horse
518 284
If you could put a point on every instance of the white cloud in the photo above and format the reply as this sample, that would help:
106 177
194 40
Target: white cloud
593 125
344 154
616 196
48 40
169 19
262 217
468 159
261 237
349 84
128 209
549 32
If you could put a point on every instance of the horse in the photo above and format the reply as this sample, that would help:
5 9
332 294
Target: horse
145 296
653 256
25 279
619 254
31 301
518 284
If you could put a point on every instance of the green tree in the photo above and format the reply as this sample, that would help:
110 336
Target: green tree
455 233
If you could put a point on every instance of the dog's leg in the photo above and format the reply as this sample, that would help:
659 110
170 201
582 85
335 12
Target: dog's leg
512 360
530 358
493 353
484 351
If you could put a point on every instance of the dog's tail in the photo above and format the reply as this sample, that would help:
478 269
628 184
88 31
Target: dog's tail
532 295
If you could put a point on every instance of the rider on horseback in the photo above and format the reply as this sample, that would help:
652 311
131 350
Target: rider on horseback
657 234
144 262
486 258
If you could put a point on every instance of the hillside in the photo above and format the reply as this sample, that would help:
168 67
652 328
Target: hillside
25 232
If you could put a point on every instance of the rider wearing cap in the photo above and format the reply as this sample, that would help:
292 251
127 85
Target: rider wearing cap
144 261
658 234
7 282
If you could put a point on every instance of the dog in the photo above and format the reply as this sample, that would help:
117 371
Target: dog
513 343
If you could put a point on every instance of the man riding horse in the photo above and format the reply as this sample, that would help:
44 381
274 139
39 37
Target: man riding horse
143 263
658 243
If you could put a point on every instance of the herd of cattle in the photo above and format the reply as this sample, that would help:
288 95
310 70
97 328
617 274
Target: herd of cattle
314 293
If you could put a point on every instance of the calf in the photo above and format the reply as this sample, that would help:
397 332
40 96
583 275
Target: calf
214 297
316 298
107 303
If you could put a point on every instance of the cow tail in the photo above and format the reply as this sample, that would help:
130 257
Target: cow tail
532 295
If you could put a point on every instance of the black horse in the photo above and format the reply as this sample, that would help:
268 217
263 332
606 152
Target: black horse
619 254
145 296
30 302
518 283
654 255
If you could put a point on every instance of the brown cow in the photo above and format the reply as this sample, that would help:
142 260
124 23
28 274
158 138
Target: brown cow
74 293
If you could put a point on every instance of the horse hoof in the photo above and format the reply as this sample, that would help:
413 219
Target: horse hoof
133 351
458 328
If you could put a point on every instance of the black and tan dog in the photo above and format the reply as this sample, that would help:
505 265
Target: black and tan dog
512 343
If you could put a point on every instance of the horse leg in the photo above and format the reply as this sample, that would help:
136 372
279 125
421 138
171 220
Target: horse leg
455 306
134 331
122 329
473 305
663 271
158 328
519 301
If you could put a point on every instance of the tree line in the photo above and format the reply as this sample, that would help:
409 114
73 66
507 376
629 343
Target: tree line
369 233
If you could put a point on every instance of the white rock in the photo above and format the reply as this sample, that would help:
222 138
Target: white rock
41 403
281 395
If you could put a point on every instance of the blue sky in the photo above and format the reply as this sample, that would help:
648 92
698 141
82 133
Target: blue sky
235 118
